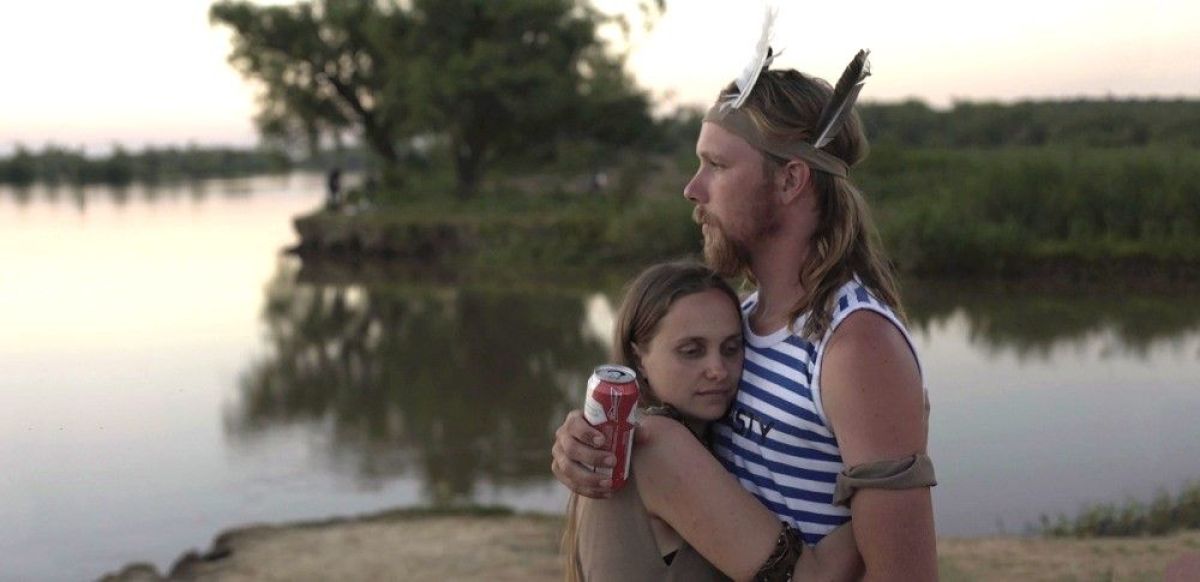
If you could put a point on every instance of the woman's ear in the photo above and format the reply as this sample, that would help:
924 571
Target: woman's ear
637 362
793 180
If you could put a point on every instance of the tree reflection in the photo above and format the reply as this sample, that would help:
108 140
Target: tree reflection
1031 322
154 191
456 386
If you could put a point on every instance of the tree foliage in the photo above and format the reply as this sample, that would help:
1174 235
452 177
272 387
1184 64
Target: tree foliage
485 79
322 68
1080 122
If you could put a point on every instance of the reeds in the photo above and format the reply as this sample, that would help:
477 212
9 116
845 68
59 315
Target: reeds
1164 515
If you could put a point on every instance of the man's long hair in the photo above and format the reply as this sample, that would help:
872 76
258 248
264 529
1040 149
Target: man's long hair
785 105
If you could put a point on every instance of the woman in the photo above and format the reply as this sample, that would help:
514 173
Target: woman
680 329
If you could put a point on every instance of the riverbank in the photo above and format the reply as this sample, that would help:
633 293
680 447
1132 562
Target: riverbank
1090 214
599 237
499 545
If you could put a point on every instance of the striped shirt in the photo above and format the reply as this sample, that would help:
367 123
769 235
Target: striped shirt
775 438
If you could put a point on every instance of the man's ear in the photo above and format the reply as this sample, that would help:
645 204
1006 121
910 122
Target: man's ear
793 180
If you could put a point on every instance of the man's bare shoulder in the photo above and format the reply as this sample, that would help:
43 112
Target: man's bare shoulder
872 391
867 333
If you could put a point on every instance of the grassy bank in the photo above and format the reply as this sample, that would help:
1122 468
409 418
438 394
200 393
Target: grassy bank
582 233
1164 515
1014 212
1003 211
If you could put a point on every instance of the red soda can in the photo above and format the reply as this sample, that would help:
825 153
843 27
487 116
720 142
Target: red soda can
610 405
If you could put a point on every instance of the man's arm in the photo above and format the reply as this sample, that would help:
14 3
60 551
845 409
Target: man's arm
575 451
872 393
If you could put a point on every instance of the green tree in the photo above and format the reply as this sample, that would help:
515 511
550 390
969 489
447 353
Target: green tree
501 78
486 79
322 67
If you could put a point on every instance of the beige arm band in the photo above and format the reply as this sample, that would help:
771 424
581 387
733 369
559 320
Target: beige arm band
906 473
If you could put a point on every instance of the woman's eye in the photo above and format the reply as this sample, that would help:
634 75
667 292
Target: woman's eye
691 352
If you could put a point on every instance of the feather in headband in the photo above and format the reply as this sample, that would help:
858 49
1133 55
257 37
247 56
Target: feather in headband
833 116
763 55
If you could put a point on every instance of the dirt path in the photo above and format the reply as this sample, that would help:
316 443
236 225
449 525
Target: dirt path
403 545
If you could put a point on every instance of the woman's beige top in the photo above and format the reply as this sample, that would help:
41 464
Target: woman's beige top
616 543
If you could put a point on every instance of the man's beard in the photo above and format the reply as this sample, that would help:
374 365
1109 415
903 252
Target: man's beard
726 256
730 256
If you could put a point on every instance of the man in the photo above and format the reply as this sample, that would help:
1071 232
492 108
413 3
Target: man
826 347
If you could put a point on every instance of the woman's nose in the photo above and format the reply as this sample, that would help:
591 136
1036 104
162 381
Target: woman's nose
716 369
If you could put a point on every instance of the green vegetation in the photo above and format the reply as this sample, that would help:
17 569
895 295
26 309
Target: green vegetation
1073 123
1162 516
510 232
1011 212
1019 210
481 81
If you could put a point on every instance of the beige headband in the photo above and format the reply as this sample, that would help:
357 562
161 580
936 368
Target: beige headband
738 122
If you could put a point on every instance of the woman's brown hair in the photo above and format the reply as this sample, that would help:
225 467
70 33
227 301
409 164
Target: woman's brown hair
647 300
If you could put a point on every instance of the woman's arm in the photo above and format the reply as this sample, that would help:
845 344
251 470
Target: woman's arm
681 483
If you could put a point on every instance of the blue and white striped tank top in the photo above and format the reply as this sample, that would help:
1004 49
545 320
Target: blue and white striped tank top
776 439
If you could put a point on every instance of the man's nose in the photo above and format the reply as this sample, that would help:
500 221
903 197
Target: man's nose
692 191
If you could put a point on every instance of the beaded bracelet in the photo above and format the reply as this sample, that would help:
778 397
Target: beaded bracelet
781 562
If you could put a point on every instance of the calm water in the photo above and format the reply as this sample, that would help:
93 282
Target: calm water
168 375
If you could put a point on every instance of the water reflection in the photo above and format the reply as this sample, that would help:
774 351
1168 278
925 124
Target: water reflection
120 195
455 385
1031 324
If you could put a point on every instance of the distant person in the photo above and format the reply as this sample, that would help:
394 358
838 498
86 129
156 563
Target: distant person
598 182
333 195
680 329
829 425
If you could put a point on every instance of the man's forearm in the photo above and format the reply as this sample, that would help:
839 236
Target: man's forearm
835 559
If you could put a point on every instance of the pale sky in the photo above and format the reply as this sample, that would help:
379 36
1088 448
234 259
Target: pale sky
154 71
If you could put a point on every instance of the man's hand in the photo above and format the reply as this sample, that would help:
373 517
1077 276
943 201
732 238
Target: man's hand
575 453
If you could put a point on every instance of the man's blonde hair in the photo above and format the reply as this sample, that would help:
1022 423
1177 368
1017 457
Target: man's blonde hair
785 105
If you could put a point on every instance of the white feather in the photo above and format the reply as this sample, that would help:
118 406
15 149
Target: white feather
758 61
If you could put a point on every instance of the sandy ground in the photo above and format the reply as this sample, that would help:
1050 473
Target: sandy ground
404 545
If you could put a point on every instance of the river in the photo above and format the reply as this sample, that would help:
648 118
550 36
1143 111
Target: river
169 373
